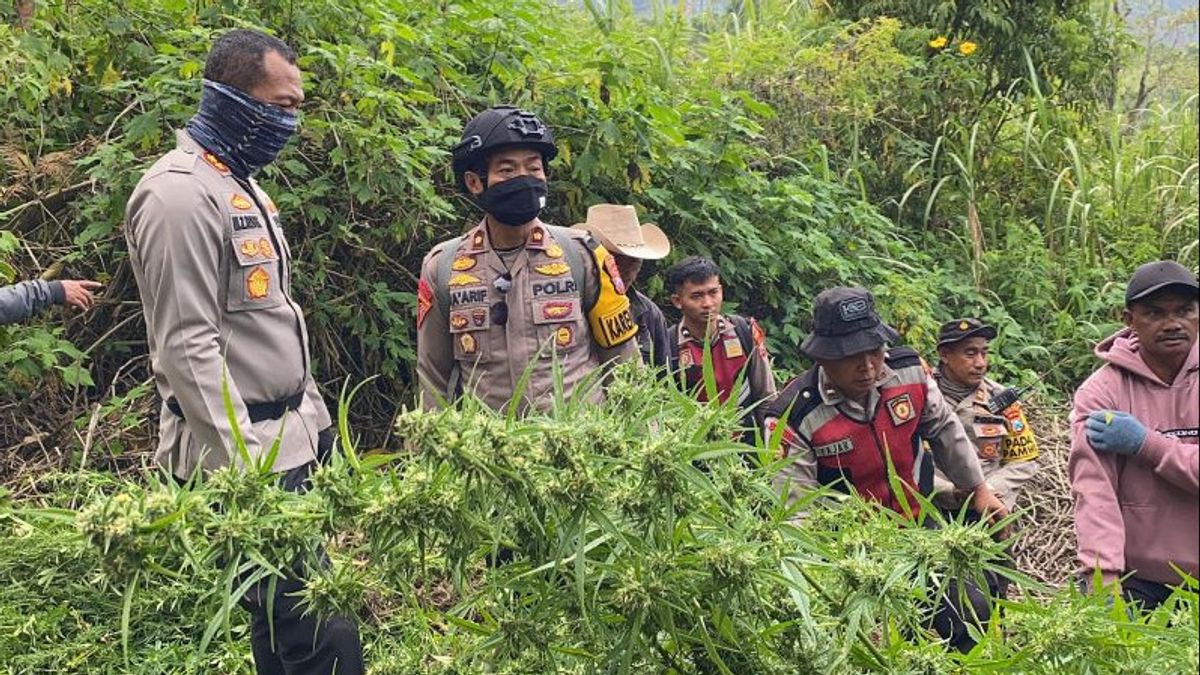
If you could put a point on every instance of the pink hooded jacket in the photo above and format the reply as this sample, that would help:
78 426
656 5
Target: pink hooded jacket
1138 513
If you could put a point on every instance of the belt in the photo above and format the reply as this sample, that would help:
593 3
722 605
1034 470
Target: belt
271 410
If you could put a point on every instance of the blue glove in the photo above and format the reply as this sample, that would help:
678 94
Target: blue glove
1115 431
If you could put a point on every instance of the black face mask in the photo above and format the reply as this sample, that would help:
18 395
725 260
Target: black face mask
515 201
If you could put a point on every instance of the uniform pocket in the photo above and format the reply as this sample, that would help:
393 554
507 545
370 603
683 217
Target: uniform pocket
469 331
989 435
254 281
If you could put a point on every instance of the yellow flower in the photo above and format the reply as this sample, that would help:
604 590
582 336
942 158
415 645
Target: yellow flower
967 48
938 42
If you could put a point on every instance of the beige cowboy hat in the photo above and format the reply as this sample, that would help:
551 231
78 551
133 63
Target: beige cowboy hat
618 229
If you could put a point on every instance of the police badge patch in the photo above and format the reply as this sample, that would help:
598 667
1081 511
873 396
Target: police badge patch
468 343
901 409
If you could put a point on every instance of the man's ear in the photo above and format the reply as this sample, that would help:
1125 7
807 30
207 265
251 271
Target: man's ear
474 183
675 301
1127 317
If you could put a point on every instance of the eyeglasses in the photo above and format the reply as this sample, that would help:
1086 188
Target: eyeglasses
499 311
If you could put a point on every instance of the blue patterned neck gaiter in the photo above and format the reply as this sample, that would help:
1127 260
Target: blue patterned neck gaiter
245 133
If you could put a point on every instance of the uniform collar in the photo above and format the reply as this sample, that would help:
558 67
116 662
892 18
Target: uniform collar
830 395
478 241
979 396
724 327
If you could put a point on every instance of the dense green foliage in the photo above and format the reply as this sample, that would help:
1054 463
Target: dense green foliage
953 157
799 147
638 537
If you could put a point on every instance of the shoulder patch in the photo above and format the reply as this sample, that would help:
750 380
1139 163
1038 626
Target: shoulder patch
424 301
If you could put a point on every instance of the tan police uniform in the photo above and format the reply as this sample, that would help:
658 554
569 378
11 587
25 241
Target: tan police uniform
1005 445
212 268
462 348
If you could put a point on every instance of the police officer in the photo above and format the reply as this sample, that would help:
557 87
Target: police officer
212 266
22 300
1002 437
514 293
736 344
630 243
864 404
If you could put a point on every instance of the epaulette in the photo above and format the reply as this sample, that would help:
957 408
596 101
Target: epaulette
800 394
181 161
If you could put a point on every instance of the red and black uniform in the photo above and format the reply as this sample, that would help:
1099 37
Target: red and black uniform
838 442
739 351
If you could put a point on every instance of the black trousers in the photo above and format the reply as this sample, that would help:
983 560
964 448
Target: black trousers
302 645
961 607
1149 594
965 605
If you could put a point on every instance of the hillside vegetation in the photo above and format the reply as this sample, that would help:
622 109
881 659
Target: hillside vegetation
1013 161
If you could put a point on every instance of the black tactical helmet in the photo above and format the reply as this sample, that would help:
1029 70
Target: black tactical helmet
498 127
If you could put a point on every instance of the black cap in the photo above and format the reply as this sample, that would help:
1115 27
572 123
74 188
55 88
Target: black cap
845 323
961 329
1155 276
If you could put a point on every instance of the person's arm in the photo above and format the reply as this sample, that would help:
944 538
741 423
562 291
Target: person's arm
22 300
659 337
1007 481
762 380
1099 524
799 475
435 350
1173 460
955 455
1120 433
610 318
179 232
952 449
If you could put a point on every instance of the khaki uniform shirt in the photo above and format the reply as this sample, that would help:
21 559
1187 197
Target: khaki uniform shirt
1005 444
212 269
462 350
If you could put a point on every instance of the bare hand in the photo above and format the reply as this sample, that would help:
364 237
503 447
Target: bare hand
79 293
988 504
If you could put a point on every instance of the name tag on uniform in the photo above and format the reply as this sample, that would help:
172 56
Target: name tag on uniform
733 348
556 287
833 449
243 222
470 296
